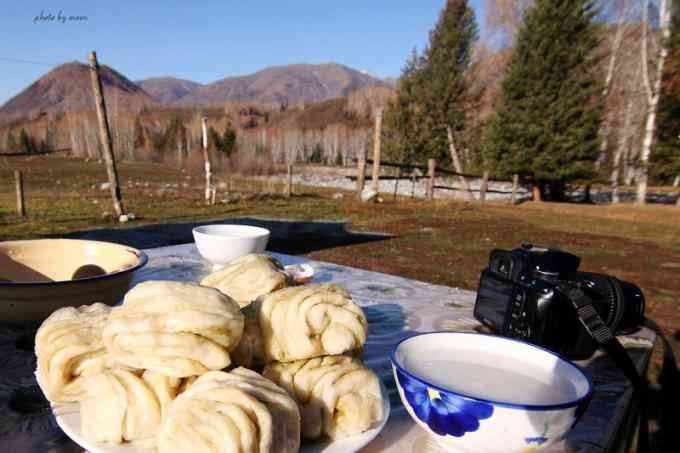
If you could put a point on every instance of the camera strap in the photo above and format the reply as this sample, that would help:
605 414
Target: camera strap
603 335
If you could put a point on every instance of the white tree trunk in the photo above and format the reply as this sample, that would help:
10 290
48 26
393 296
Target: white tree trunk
654 93
616 44
455 158
676 181
623 143
206 158
628 170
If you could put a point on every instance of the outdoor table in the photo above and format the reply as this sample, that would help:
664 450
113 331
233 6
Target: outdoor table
396 307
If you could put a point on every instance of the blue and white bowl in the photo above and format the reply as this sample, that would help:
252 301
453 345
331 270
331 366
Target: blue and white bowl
483 393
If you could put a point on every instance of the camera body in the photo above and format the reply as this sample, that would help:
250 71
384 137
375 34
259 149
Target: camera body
517 297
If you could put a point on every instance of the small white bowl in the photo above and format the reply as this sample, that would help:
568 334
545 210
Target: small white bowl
221 244
476 392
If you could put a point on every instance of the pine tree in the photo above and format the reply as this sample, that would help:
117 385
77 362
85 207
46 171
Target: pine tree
214 138
175 133
665 158
26 143
405 138
11 141
339 161
548 120
317 155
432 89
442 82
228 140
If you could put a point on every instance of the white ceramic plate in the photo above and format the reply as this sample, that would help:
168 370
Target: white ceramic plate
68 419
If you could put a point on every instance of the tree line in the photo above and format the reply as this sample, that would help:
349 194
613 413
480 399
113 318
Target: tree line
549 120
25 143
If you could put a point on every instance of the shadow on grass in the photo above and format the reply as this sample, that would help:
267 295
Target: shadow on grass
292 237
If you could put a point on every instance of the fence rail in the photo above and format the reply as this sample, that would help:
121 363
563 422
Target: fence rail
441 170
429 172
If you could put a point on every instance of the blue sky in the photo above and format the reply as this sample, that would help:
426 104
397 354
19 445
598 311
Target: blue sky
208 40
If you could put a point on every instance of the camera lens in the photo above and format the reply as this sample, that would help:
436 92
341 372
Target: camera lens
634 308
620 304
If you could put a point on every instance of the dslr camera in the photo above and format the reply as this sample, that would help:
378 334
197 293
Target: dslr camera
518 297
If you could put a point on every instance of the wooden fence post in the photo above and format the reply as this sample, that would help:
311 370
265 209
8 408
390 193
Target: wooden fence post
396 183
289 182
536 192
19 183
361 174
105 135
431 168
484 187
515 184
377 137
413 184
179 155
206 158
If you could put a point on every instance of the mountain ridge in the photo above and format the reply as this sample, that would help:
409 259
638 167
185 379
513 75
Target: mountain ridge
67 87
292 83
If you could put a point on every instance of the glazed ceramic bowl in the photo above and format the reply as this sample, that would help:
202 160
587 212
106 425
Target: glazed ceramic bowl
39 276
221 244
476 392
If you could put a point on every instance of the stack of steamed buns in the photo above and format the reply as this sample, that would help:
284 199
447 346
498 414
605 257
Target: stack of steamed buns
243 362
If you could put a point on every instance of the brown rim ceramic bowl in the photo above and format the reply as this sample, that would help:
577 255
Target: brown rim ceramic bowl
39 276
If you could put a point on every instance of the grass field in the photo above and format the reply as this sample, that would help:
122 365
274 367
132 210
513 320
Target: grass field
441 242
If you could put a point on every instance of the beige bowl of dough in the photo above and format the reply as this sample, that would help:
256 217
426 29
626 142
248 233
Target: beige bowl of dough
40 276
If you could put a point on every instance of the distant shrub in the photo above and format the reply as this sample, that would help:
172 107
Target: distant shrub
317 154
11 141
26 142
226 142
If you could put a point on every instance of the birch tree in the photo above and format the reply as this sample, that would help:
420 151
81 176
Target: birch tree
624 8
653 92
627 130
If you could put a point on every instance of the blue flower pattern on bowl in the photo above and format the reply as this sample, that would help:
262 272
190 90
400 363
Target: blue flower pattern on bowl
538 440
444 413
535 440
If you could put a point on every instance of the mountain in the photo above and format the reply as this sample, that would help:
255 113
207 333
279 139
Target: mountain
391 81
68 87
291 83
167 90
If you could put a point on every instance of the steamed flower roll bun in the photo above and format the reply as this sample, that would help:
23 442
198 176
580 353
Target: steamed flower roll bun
249 277
175 329
338 395
308 321
124 406
239 411
69 347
